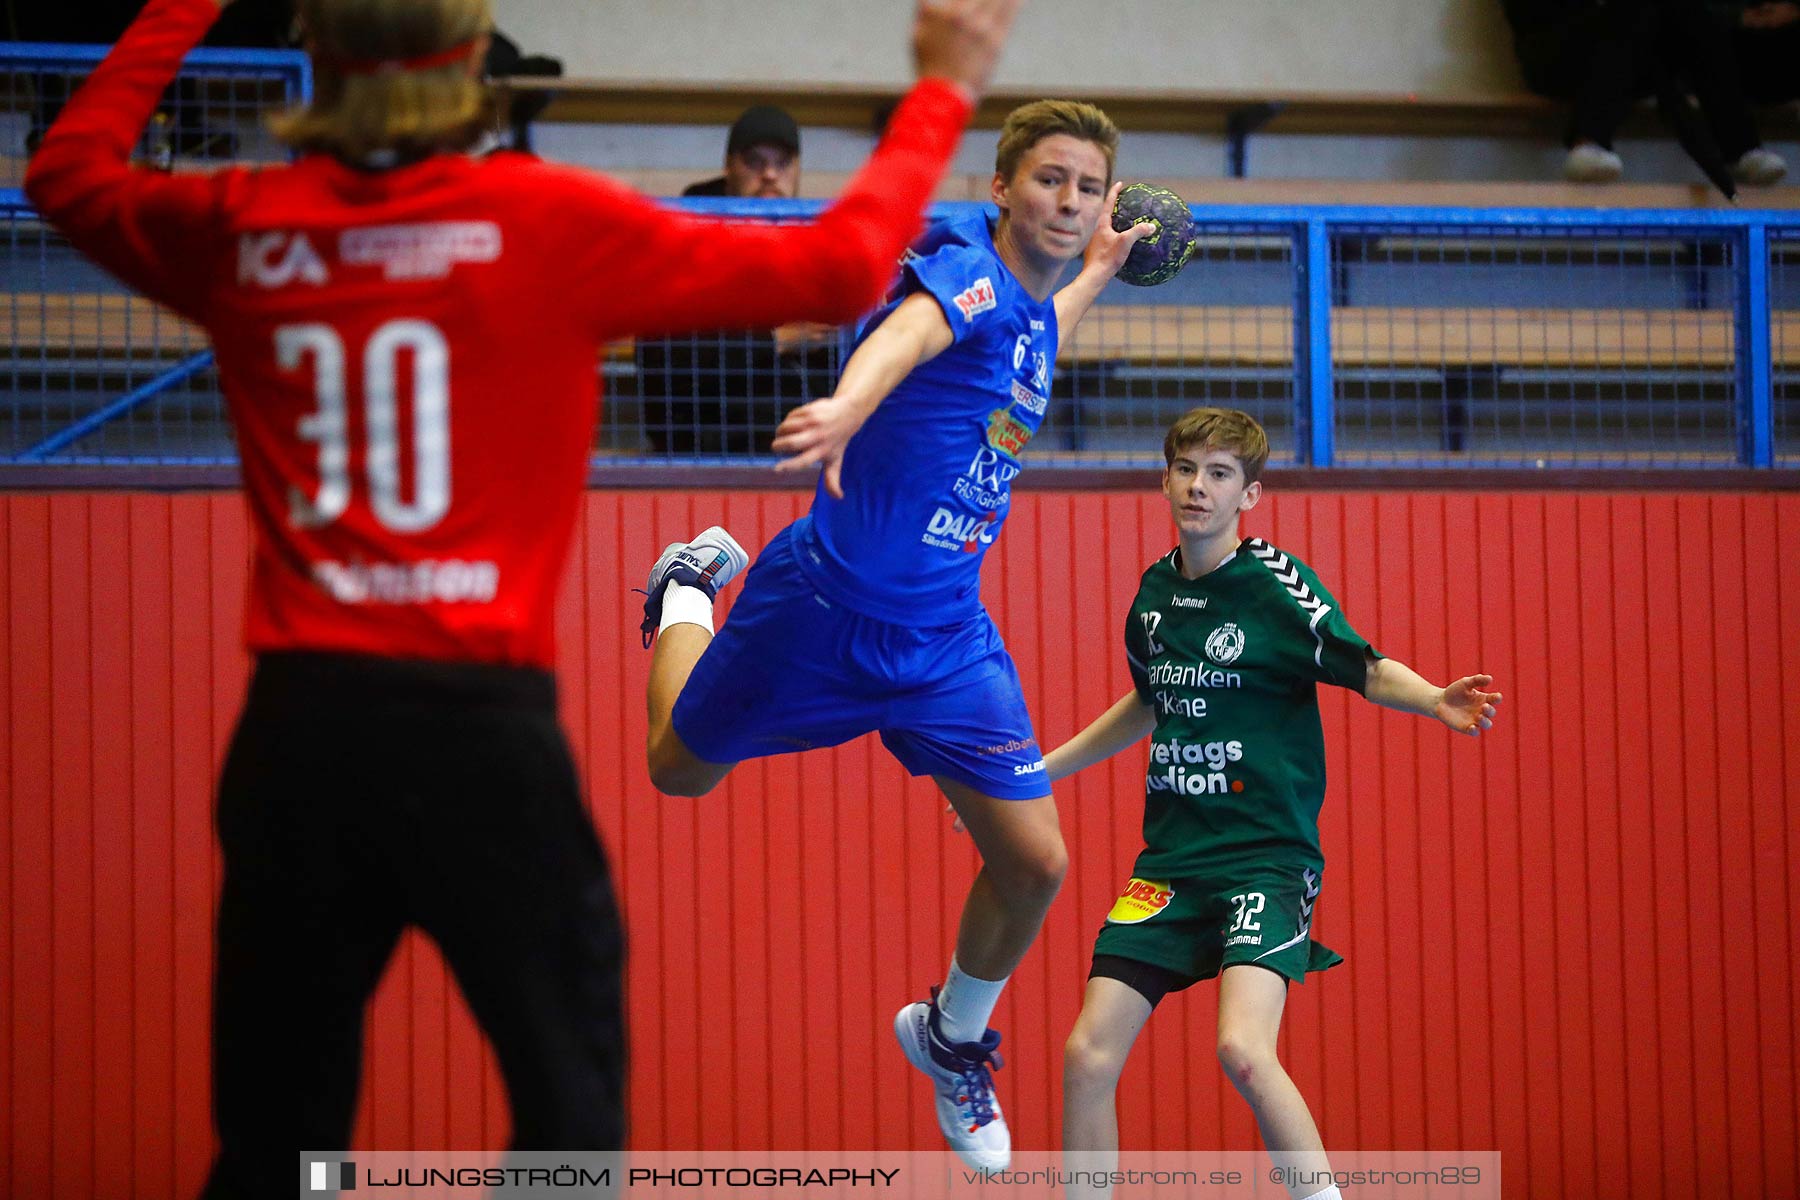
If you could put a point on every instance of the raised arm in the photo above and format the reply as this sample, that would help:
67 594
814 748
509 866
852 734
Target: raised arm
1126 723
1465 706
151 229
914 332
639 268
1106 252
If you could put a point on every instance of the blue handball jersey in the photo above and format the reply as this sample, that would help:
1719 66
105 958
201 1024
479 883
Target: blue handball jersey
928 479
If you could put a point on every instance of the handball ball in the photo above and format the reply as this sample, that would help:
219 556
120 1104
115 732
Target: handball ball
1157 258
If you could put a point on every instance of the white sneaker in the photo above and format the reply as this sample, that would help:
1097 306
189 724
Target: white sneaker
968 1112
708 562
1591 163
1759 167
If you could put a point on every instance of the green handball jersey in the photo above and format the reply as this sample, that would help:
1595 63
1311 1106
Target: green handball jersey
1231 663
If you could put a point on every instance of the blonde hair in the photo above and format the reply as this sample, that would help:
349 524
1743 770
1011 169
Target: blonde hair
1228 429
365 100
1029 124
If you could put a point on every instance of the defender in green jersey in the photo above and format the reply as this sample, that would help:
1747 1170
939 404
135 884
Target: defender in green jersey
1227 640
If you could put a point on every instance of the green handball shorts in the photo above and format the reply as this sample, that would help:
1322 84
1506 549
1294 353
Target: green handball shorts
1198 927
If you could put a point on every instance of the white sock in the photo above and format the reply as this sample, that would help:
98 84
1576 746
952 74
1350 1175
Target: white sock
683 605
965 1003
1330 1193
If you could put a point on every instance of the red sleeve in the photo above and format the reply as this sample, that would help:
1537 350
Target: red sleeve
646 269
155 231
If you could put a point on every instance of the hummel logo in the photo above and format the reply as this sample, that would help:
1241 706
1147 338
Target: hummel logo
1287 573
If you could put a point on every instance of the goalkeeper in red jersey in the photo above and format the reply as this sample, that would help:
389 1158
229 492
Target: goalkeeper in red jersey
406 338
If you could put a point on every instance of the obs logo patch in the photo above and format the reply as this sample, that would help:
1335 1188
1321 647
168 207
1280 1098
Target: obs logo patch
1224 644
1141 900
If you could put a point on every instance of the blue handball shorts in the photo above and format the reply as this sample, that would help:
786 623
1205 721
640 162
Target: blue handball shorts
791 670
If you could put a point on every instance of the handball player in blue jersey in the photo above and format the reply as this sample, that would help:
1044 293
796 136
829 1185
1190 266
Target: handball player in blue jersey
866 613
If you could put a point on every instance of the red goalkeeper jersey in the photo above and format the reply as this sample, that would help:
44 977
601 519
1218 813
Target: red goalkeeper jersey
409 355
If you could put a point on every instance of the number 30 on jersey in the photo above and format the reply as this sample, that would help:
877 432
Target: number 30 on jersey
328 424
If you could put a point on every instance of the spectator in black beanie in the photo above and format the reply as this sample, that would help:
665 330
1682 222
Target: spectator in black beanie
726 392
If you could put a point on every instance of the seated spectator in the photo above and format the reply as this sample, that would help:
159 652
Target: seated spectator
1604 57
762 157
726 392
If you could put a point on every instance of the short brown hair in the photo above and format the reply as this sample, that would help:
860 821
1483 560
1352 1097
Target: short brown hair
1029 124
356 114
1229 429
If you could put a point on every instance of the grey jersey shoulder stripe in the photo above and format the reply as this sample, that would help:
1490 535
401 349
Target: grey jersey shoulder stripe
1287 574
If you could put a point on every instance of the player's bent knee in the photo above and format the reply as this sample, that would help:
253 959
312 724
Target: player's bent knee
683 781
1089 1066
674 771
1245 1059
1041 869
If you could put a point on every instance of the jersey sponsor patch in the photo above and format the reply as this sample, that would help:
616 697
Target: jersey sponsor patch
977 298
1006 433
277 258
962 532
1141 900
1029 400
423 251
431 581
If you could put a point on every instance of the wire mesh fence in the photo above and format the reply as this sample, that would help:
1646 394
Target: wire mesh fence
1456 337
716 395
211 114
1508 346
1220 333
1784 343
78 339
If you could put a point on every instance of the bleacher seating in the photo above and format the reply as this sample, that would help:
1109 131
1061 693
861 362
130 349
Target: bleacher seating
1269 110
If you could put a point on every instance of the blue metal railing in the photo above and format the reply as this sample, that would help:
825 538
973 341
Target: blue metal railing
211 111
1628 273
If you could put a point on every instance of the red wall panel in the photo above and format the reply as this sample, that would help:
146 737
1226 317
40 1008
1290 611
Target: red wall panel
1567 941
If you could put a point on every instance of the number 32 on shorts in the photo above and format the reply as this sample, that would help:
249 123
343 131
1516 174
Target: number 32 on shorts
1248 905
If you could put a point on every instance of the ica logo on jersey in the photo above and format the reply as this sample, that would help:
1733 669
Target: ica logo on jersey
277 258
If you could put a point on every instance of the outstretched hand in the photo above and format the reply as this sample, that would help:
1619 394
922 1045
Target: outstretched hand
960 40
1108 249
1466 707
817 433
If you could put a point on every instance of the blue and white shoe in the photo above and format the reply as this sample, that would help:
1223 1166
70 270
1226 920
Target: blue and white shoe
708 562
968 1112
